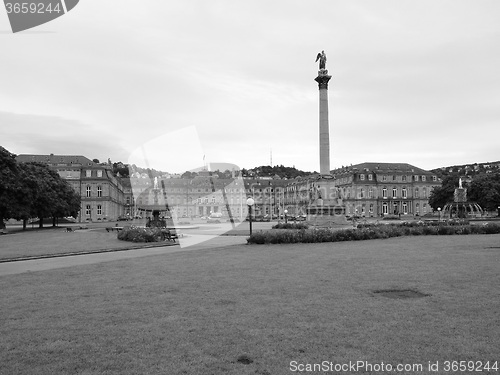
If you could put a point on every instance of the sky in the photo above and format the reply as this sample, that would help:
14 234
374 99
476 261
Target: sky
180 84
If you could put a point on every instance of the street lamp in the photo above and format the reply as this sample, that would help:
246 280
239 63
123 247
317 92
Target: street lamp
439 212
285 212
250 203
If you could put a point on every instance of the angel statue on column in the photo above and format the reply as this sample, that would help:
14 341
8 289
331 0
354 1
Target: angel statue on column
322 60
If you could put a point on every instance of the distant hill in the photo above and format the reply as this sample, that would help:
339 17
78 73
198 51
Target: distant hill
469 170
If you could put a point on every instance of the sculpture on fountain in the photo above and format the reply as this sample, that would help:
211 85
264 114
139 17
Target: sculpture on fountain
460 208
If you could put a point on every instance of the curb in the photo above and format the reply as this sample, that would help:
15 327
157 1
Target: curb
47 256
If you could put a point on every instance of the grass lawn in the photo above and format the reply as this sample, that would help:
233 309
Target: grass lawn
197 312
51 241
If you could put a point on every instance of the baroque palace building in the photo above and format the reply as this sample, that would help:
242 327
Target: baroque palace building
205 195
367 189
102 194
380 189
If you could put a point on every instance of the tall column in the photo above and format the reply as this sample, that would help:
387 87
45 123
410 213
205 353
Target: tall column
324 133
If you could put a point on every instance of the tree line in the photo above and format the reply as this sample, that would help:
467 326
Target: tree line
29 190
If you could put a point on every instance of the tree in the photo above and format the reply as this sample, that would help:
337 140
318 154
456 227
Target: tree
189 175
485 190
51 195
444 193
15 201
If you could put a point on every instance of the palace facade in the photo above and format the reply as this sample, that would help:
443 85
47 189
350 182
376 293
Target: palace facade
101 193
366 190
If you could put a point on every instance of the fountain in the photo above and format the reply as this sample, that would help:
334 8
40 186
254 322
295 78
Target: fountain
460 208
156 205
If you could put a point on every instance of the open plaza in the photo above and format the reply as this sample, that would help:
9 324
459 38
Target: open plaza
271 309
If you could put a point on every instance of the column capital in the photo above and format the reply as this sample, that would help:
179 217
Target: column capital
323 79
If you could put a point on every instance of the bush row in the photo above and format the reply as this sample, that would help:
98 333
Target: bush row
375 232
290 226
436 223
136 234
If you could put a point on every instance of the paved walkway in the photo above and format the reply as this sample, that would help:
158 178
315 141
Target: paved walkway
202 242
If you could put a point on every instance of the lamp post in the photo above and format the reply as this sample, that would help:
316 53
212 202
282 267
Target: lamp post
439 212
250 203
286 219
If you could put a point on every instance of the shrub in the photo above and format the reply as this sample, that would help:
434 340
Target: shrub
136 234
290 226
366 233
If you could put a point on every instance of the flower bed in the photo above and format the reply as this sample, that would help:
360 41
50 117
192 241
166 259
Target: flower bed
137 234
366 233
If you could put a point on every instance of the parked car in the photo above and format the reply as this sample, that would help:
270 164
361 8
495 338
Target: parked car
213 221
123 218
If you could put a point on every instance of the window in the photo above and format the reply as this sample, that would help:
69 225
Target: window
362 177
99 173
385 208
394 178
424 193
425 208
416 192
88 173
87 210
423 178
370 192
394 192
384 178
363 210
404 178
417 208
370 177
405 208
404 193
371 208
434 178
89 191
384 193
128 200
99 209
99 191
416 178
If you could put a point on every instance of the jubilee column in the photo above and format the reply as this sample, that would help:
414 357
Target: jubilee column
324 132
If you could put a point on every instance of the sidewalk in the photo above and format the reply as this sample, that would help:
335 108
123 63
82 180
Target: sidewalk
60 261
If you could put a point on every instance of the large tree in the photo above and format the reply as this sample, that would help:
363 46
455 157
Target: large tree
443 194
15 198
51 195
485 190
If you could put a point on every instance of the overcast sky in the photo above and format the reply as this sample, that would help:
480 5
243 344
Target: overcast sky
413 81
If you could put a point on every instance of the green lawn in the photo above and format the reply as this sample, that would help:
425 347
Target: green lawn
197 312
50 241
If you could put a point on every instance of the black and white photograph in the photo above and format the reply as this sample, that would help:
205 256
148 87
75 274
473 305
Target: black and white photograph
217 187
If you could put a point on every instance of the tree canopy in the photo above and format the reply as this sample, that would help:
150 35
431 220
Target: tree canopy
33 190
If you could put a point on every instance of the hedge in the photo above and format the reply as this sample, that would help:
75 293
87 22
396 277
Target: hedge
365 233
136 234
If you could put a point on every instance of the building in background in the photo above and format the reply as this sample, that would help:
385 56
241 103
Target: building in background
380 189
102 193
